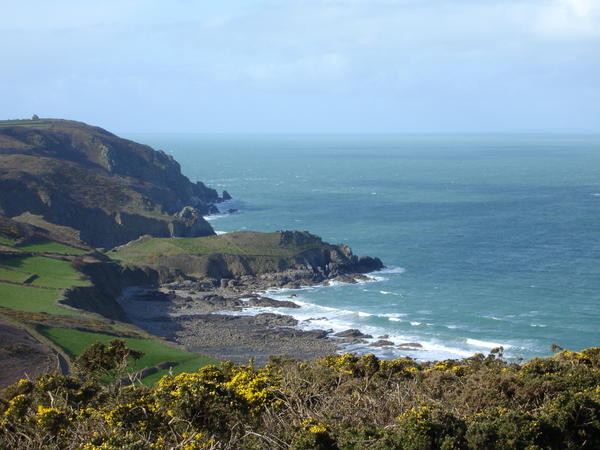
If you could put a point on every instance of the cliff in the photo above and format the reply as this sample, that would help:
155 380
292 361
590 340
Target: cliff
110 189
275 259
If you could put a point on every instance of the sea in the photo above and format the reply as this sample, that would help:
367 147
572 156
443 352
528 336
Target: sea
488 240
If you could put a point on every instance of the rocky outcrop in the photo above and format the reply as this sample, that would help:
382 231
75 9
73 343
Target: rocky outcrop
108 279
24 233
110 189
257 260
310 268
353 333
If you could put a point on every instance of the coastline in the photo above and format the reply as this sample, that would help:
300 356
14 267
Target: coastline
239 321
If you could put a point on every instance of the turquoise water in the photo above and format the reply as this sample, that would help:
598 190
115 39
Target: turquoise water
489 240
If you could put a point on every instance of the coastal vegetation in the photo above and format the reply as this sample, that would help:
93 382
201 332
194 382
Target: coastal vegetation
169 358
336 402
34 273
250 243
36 123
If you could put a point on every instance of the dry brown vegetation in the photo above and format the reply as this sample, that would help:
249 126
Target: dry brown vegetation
341 401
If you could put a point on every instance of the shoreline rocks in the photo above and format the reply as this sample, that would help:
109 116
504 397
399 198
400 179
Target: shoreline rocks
207 318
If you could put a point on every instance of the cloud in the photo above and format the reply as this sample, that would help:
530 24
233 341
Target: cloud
446 58
569 19
329 66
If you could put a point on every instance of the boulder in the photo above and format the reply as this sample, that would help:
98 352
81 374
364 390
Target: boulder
352 333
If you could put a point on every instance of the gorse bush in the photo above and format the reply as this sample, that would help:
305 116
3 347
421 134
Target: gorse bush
337 402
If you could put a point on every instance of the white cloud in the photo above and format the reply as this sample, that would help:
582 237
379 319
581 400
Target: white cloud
569 19
366 55
326 67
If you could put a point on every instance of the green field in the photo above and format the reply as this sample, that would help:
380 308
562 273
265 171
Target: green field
74 342
25 123
49 273
14 275
52 273
46 246
7 241
237 243
31 299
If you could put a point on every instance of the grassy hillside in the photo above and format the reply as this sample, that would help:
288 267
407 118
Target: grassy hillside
31 284
39 123
49 272
74 342
40 280
249 243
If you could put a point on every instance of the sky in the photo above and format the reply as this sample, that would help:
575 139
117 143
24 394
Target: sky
304 66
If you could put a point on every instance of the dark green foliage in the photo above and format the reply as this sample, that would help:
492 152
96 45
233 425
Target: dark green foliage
338 402
110 359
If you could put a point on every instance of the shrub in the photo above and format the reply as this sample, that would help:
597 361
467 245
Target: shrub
341 401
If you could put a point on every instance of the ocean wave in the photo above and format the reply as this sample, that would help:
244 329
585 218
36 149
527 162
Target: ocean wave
392 270
377 276
441 349
486 344
213 217
311 316
395 326
491 318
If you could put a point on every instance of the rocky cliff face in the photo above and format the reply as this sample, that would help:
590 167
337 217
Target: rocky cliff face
271 259
110 189
108 280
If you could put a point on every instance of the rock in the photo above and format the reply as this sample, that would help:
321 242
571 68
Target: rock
275 320
410 344
189 213
270 303
353 333
381 343
385 336
345 279
166 365
225 196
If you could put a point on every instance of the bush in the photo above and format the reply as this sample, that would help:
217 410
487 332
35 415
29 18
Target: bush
338 402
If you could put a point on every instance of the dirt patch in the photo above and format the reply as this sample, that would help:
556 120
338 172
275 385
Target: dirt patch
22 356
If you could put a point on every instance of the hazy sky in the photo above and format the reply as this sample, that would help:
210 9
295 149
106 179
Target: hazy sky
304 65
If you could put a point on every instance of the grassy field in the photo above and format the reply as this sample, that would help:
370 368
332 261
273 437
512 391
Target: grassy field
7 241
14 275
46 246
74 342
52 273
236 243
31 299
25 122
49 273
